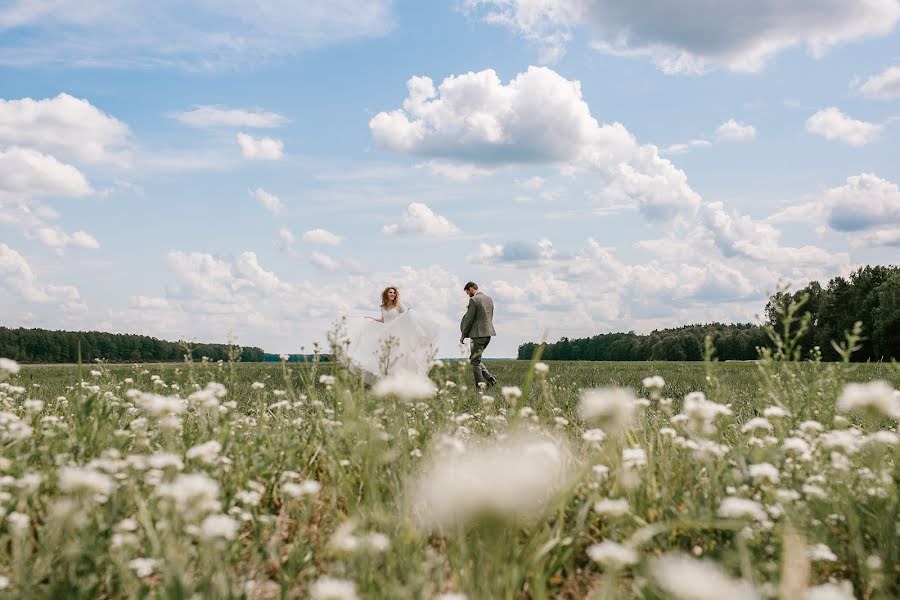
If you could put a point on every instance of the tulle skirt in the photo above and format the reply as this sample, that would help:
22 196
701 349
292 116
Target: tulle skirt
409 343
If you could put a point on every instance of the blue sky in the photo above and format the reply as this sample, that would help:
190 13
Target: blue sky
198 170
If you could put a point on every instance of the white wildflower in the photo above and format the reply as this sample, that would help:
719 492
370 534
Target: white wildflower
8 367
738 508
875 396
309 487
329 588
405 386
73 479
882 437
32 405
612 408
193 494
512 477
615 507
755 424
847 440
207 452
701 413
687 578
775 412
654 383
155 404
764 472
821 552
611 554
633 458
18 523
510 393
594 436
143 567
830 591
257 385
218 526
327 380
811 427
541 367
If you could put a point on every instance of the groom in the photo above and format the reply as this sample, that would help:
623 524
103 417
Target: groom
478 324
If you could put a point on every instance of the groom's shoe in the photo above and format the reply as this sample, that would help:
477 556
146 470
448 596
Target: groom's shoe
492 382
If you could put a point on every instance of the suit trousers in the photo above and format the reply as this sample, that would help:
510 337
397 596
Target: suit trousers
482 375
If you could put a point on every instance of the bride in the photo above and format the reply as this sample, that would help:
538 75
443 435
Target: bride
400 341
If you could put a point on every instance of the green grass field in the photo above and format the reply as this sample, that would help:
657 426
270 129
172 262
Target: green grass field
287 484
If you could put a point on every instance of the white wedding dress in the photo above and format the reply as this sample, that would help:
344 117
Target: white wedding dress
405 342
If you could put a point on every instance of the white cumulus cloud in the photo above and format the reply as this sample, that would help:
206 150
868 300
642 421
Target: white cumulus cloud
692 36
883 85
323 261
832 124
421 220
268 201
217 116
263 148
17 277
67 126
538 117
734 131
321 236
27 173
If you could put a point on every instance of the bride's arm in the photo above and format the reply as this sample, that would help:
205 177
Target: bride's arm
400 308
381 320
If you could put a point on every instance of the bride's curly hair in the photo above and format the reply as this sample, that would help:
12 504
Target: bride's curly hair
385 302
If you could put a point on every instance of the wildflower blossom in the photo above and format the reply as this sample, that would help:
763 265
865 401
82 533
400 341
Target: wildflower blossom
329 588
143 567
764 472
8 367
875 396
510 393
541 367
633 457
811 427
218 526
821 552
155 404
655 382
775 412
701 413
327 380
615 507
594 436
830 591
207 452
257 385
612 408
308 487
738 508
611 554
687 578
405 386
756 423
513 477
32 405
192 494
72 479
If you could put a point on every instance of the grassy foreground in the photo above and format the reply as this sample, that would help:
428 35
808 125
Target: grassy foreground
294 481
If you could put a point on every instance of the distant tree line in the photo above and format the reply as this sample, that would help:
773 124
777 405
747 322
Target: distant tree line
46 346
870 295
731 342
